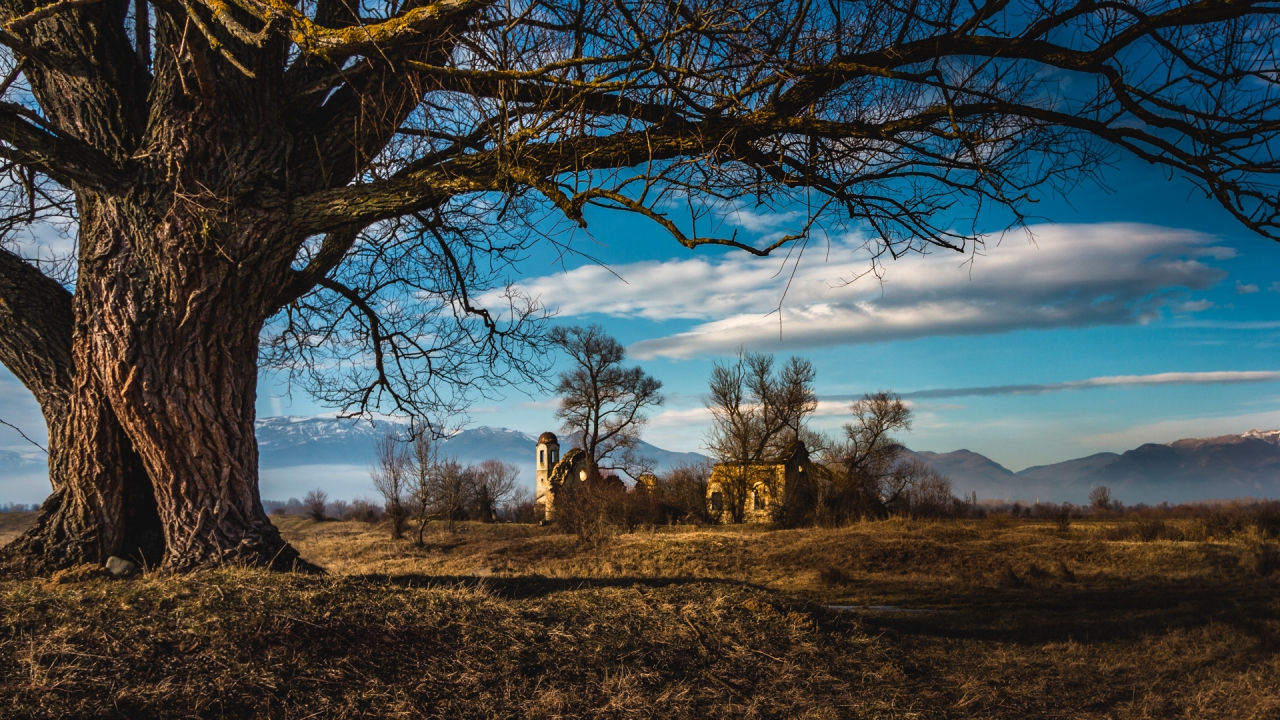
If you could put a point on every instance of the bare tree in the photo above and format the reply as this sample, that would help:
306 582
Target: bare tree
424 474
453 491
757 410
391 478
602 403
1100 498
495 484
519 507
332 188
683 490
870 469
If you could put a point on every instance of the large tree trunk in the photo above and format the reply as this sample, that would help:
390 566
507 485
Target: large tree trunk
102 503
151 419
168 324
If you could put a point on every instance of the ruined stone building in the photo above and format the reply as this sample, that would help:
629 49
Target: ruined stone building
784 485
553 472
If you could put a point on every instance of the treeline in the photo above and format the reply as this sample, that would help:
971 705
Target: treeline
419 485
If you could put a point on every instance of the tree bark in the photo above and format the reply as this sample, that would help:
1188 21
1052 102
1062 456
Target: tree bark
169 328
102 503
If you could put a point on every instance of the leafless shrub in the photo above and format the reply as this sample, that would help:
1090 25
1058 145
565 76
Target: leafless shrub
1063 518
519 507
337 509
1152 530
363 510
315 502
681 494
592 511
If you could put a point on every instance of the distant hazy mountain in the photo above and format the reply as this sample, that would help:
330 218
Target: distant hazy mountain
1246 465
299 453
971 472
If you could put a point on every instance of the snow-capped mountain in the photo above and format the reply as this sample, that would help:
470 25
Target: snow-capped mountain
293 441
297 454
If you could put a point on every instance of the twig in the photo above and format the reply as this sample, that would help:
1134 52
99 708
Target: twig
24 436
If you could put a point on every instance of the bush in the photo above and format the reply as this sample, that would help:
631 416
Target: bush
315 503
1152 530
1262 559
833 576
363 510
593 511
1063 518
337 509
681 494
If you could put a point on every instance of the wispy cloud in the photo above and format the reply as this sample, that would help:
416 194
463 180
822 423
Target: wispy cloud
1170 378
19 408
1071 276
1245 289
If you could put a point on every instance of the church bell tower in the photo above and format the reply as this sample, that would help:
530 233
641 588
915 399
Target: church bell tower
548 454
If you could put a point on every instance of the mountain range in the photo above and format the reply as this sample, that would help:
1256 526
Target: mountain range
297 454
1229 466
292 441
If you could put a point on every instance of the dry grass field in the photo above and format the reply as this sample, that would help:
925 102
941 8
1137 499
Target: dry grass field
895 619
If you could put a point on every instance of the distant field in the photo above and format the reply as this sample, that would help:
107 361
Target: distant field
12 524
996 619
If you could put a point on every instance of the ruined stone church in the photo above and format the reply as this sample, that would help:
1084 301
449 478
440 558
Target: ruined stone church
783 484
553 472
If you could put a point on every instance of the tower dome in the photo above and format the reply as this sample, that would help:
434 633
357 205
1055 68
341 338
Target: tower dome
548 438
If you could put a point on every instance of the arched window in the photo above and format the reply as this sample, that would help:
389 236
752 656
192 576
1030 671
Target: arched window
542 457
757 497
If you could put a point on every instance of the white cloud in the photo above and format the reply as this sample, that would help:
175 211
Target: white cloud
1071 276
1245 289
755 222
1169 378
1192 306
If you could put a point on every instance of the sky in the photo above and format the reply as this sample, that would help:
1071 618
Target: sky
1139 312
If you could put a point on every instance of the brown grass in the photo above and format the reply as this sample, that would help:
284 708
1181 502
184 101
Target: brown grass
13 524
518 621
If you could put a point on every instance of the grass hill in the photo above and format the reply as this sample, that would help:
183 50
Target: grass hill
895 619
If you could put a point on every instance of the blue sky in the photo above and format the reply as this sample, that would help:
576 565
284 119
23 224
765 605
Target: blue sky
1115 315
1145 279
